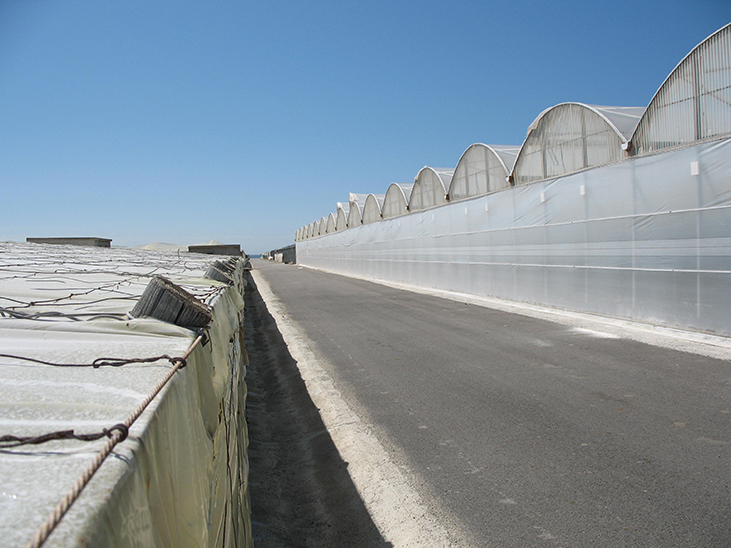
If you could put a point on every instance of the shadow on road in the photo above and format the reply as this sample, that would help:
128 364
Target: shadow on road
301 493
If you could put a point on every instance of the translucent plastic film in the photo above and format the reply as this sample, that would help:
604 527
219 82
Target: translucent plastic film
644 239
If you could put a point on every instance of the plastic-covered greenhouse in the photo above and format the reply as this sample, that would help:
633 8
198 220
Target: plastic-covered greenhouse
396 201
372 208
430 188
574 136
482 169
621 211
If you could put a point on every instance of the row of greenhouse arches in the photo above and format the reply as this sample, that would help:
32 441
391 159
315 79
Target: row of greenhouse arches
693 104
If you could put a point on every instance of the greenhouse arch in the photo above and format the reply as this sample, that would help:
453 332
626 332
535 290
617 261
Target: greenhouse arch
482 169
694 102
372 208
569 137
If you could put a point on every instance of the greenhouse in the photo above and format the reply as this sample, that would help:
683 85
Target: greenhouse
570 137
694 102
330 224
482 169
430 188
355 215
341 221
372 208
618 211
396 201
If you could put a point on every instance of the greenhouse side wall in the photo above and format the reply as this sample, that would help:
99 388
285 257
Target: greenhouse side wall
645 239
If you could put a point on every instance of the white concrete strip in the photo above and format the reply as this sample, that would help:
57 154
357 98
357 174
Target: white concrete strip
400 513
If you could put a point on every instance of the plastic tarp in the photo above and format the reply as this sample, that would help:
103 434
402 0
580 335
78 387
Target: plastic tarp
645 239
181 477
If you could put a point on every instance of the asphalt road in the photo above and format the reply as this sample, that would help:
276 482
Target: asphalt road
529 432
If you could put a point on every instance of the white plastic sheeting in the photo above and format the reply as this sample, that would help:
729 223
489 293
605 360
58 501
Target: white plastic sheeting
181 478
646 239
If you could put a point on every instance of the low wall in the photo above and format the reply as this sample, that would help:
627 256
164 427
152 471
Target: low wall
646 239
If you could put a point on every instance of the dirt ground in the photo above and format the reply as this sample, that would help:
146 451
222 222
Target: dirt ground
301 493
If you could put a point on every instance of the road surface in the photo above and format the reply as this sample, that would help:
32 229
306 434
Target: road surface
517 431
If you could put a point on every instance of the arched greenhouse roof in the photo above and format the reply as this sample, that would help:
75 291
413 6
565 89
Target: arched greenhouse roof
331 223
341 221
358 198
482 169
694 102
430 188
396 200
372 208
355 215
570 137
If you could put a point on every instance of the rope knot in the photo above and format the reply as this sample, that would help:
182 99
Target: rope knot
180 361
121 428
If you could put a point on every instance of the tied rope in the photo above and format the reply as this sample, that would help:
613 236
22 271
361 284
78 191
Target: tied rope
16 441
118 434
99 362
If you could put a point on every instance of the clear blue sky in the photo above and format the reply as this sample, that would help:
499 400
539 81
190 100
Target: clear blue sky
240 121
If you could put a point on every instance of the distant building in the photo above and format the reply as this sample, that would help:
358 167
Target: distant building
217 249
93 242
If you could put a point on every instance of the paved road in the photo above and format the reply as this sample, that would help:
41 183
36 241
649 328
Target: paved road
529 432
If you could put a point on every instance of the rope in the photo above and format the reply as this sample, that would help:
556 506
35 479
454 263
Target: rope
118 434
97 363
55 314
16 441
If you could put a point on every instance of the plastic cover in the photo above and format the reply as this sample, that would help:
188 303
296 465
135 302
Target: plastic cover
645 239
181 477
430 188
482 169
372 208
694 102
573 136
355 214
396 200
